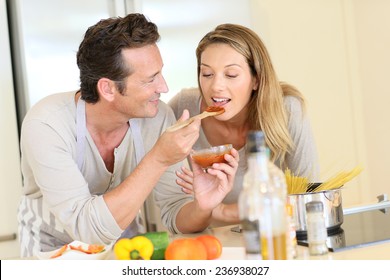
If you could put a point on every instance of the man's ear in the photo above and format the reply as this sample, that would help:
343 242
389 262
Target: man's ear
106 88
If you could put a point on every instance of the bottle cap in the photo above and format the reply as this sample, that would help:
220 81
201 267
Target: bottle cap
314 206
255 141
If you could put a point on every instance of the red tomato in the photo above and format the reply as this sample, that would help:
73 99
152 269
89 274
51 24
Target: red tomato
212 244
186 249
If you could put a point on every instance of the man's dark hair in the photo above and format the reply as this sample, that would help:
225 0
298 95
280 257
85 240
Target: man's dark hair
100 52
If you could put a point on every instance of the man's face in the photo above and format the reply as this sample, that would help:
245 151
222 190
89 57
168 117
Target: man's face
143 87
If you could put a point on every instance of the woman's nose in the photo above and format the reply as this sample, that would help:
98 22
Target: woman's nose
218 83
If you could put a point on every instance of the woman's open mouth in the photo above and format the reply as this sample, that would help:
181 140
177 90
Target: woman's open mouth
218 102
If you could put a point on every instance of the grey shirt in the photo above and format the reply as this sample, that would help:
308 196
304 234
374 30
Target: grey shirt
61 203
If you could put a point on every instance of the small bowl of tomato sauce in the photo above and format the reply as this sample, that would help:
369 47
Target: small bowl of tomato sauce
206 157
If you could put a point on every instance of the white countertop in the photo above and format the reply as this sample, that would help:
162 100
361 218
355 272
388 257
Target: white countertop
233 248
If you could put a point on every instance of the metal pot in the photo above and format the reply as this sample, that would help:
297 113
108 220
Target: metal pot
333 210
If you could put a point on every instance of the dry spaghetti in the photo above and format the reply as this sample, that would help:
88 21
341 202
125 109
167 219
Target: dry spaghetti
295 184
339 179
298 185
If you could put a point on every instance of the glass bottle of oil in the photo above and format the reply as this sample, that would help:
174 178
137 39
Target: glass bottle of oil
273 230
249 218
265 204
249 201
273 214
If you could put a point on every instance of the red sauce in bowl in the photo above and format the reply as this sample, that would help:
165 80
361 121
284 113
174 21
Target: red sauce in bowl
206 158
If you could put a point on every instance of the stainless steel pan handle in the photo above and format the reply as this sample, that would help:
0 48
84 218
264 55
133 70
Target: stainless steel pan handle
383 204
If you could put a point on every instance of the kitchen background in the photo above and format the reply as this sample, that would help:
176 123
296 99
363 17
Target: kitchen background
334 51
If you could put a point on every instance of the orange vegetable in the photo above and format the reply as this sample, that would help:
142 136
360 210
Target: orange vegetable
186 249
95 248
92 248
60 252
212 244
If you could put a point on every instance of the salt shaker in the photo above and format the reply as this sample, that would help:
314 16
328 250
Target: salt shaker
316 228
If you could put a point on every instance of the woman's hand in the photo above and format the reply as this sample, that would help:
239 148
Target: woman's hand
186 179
222 213
211 187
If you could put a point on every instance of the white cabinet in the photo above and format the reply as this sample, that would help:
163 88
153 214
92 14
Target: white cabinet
10 175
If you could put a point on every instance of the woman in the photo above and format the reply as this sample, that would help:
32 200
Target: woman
235 72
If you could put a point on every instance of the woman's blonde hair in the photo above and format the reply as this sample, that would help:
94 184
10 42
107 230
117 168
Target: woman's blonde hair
266 108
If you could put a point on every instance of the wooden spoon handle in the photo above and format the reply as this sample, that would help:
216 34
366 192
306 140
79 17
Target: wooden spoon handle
182 124
179 125
210 111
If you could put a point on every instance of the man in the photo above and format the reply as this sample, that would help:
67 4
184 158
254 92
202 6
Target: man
90 158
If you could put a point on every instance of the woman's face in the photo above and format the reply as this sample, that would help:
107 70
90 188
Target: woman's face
225 79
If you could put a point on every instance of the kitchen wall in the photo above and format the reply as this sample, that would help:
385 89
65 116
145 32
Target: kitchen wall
372 27
336 53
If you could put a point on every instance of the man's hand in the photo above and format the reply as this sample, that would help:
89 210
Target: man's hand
175 146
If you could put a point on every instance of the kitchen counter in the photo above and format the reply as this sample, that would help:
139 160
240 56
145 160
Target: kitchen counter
233 248
233 242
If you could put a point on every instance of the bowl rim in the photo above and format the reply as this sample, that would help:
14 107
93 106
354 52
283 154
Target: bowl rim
218 148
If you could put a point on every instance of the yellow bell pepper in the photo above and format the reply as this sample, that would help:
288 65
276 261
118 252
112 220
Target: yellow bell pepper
136 248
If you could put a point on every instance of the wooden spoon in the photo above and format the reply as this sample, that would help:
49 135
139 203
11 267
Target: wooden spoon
210 111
